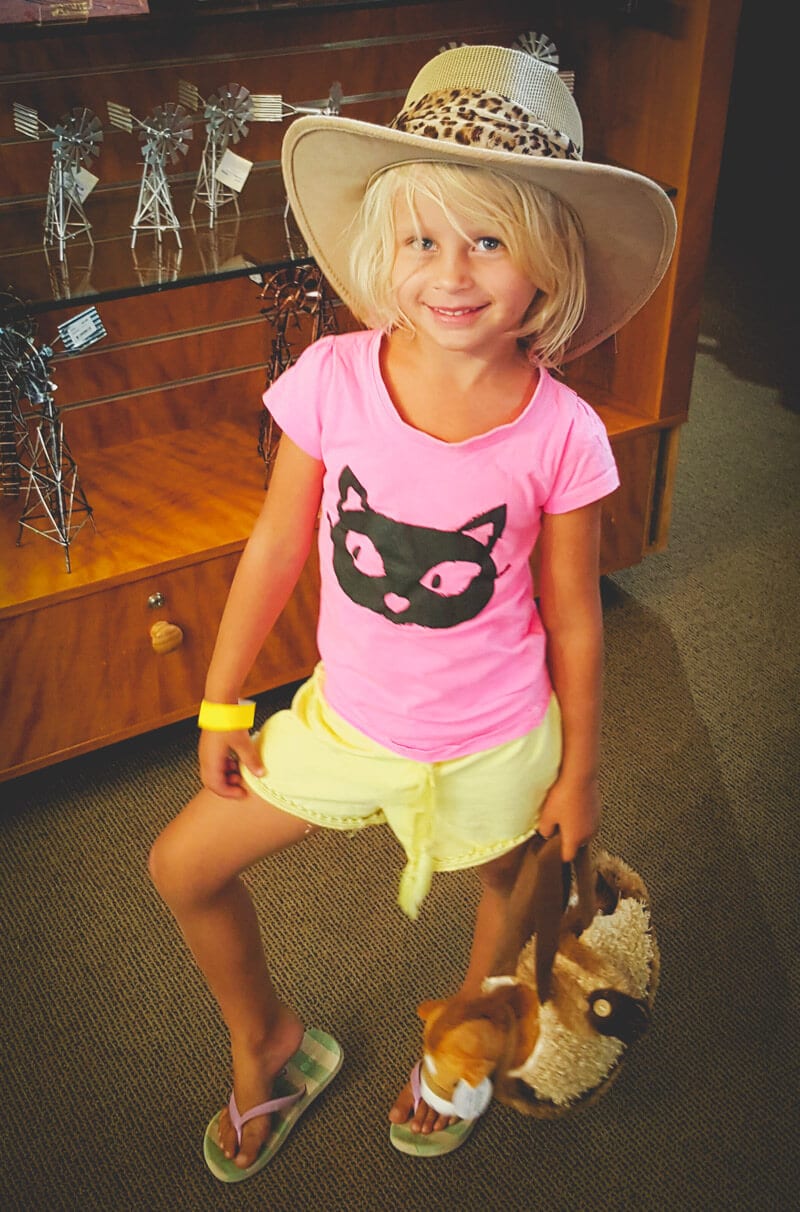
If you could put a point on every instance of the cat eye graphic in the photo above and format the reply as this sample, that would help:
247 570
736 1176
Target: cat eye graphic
412 574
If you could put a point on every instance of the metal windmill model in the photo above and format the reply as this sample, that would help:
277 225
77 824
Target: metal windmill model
165 137
55 505
76 139
227 114
16 332
289 294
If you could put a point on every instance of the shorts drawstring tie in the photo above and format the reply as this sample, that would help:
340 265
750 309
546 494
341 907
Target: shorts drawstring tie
415 882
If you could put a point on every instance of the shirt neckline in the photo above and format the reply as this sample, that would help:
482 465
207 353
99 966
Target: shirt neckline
387 405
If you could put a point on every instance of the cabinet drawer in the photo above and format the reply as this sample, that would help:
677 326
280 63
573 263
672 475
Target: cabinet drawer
84 672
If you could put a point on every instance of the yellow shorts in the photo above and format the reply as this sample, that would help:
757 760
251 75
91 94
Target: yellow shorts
446 815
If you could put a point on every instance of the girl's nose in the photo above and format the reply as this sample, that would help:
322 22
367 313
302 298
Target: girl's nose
453 268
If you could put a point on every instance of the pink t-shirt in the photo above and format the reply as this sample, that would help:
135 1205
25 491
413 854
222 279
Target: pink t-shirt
428 630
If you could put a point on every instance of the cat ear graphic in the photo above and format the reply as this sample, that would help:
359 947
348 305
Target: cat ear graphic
487 528
352 494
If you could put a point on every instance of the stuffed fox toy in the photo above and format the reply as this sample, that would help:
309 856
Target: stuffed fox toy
572 990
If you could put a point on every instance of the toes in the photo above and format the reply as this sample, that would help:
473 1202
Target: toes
226 1134
426 1120
402 1110
254 1136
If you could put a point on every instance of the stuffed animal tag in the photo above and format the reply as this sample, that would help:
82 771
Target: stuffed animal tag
471 1101
466 1101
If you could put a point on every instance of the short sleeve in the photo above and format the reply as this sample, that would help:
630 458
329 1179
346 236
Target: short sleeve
586 470
296 398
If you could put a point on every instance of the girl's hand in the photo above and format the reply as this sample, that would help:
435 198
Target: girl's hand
221 755
573 808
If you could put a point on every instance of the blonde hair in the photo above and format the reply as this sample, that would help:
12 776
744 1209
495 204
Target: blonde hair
541 233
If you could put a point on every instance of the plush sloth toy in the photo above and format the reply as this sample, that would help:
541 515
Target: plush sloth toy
573 989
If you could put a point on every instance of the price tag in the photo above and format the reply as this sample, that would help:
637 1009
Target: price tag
233 170
84 183
82 330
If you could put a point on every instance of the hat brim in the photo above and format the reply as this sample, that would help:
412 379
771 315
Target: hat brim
628 221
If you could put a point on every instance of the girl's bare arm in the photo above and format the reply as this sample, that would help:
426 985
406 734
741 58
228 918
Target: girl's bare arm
267 573
569 597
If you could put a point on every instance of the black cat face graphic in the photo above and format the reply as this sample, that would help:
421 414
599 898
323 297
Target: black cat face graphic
412 574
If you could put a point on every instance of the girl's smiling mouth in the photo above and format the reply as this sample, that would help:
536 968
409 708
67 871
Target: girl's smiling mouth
455 313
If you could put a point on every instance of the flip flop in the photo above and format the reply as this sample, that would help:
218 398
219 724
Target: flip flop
430 1144
310 1070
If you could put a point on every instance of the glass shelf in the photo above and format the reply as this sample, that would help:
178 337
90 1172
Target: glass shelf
256 241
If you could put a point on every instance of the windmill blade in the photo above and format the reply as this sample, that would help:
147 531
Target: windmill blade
15 315
228 112
166 133
81 132
540 46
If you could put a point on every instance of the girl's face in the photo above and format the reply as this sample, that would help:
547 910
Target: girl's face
459 288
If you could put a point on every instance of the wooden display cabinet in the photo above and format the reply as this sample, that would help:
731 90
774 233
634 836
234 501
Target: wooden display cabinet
162 416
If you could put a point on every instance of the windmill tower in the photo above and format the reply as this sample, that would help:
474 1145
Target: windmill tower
54 505
288 295
165 138
227 114
16 331
76 139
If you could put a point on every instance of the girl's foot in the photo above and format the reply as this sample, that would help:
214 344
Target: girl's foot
424 1120
254 1071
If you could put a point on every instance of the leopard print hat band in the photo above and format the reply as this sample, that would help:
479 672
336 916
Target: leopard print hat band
531 87
473 118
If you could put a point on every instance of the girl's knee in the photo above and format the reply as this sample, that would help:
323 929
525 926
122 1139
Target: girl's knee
173 868
499 874
163 865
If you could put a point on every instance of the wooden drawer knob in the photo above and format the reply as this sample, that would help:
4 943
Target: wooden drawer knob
165 637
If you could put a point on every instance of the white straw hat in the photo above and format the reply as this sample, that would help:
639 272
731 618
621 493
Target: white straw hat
505 110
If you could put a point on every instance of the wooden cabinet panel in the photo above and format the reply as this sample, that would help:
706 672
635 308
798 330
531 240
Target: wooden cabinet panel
82 673
627 512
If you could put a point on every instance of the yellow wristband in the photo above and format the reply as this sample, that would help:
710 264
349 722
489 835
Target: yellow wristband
226 717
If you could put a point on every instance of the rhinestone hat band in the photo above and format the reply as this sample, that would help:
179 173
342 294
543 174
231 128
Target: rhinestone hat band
472 118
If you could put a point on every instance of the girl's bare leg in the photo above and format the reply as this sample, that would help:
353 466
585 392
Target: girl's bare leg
497 880
195 865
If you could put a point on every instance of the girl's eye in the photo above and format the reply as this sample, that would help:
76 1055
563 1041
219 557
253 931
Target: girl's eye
423 243
488 243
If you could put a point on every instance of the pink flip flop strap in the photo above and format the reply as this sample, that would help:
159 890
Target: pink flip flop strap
274 1104
416 1088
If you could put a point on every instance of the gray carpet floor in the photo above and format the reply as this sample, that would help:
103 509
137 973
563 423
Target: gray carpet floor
113 1057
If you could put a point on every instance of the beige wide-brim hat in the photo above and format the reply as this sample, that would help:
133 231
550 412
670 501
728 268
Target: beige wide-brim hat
507 111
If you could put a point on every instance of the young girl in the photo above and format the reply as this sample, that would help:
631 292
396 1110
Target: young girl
431 452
